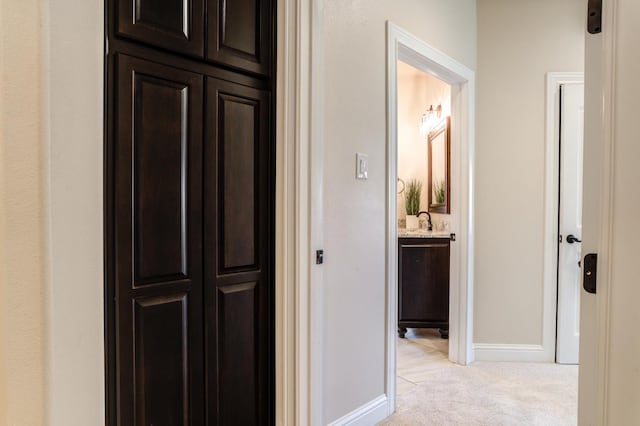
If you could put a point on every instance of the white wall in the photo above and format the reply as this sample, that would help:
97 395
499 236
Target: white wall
518 43
417 90
353 288
51 327
22 238
74 69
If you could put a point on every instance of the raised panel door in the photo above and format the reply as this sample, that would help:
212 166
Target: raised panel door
238 249
157 177
190 172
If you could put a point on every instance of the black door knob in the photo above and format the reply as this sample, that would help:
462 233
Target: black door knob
572 239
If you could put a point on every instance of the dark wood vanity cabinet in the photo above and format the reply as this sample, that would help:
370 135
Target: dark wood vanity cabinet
423 284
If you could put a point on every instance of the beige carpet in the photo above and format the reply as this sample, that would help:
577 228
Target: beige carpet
433 391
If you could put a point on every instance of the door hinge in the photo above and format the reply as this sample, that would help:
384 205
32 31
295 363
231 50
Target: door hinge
594 17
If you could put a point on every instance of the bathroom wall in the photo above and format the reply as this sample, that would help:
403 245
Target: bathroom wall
417 90
518 43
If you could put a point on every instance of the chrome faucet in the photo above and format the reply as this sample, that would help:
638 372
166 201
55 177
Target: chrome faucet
429 224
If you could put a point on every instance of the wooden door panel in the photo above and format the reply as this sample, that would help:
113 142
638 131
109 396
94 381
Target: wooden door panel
176 25
237 347
159 185
158 244
238 280
162 361
239 133
237 164
240 33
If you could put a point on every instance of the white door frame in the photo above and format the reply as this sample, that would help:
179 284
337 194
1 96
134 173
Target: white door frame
401 45
552 158
293 326
597 216
299 189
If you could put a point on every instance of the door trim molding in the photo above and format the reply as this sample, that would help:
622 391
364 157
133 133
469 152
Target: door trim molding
551 182
298 196
403 45
605 57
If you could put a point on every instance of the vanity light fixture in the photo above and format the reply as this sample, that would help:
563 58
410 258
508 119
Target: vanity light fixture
430 119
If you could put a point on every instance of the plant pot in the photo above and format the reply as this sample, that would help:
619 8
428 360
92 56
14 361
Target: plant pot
412 222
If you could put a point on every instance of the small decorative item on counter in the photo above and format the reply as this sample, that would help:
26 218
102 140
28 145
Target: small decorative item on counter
412 202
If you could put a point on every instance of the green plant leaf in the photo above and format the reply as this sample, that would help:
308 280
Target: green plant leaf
412 197
439 192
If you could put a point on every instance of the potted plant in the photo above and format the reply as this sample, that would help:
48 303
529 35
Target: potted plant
439 191
412 203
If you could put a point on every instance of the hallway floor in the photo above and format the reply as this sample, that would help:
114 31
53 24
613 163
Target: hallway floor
433 391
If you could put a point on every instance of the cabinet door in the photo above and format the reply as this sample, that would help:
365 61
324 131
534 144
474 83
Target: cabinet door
157 176
175 25
238 254
424 281
240 34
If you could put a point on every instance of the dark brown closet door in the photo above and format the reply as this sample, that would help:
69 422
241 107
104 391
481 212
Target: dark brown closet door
238 243
239 33
158 244
176 25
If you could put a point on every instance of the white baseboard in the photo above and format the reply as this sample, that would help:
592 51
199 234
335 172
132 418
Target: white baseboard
369 414
511 353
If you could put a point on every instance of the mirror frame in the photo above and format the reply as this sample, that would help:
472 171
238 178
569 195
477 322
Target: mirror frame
443 127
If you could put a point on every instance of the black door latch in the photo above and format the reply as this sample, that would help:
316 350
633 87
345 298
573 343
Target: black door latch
590 272
594 17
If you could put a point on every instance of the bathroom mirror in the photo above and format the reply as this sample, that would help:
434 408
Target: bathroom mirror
439 140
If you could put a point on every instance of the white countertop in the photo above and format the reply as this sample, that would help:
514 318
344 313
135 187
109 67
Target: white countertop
421 233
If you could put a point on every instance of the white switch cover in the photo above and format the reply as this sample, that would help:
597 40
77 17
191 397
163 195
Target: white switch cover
362 166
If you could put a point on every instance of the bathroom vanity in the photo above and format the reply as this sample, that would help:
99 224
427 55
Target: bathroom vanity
423 281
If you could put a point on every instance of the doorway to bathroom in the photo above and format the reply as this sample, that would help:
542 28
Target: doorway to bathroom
424 225
455 225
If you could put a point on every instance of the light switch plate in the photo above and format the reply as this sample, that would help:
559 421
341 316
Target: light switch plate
362 166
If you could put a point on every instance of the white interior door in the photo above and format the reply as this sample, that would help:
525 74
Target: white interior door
570 222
